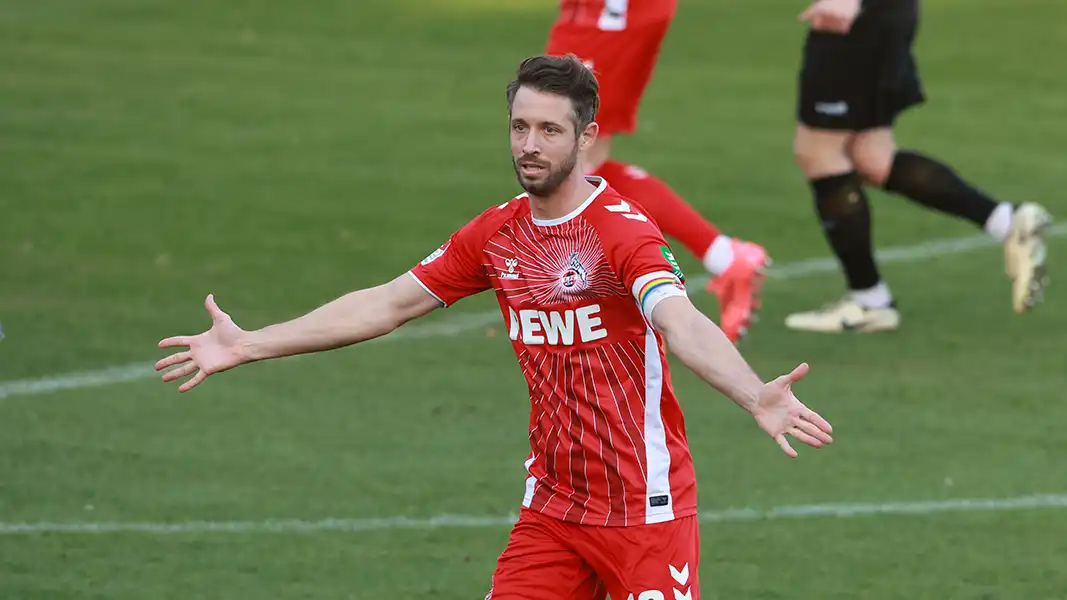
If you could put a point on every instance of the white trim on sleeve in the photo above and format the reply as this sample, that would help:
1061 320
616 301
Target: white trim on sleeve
428 290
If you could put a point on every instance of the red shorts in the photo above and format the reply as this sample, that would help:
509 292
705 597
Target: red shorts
623 62
549 559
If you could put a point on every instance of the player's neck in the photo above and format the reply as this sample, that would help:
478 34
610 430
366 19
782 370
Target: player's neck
564 200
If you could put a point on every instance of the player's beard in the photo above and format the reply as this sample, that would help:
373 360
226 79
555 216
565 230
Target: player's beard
553 178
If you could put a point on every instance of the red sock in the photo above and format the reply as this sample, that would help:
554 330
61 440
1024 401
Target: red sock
673 215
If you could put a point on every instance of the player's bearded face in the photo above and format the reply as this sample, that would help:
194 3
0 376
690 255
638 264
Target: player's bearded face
540 176
544 146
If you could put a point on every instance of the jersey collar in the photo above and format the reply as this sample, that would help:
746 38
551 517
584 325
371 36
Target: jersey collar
600 187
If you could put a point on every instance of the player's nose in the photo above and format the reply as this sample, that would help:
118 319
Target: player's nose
532 145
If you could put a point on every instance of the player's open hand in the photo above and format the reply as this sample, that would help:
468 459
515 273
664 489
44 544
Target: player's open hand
217 349
835 16
778 413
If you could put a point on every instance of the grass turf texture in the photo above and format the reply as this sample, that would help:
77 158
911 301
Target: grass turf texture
279 154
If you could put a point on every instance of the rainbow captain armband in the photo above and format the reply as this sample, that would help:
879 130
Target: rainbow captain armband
649 290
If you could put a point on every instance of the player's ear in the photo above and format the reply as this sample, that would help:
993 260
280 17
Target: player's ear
588 136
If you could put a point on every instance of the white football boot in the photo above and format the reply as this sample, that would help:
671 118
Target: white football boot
1024 256
845 316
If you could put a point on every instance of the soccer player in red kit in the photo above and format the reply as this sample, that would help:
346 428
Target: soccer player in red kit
620 40
589 291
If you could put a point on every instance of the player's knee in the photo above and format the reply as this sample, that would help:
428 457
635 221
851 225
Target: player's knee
819 157
839 198
873 161
872 152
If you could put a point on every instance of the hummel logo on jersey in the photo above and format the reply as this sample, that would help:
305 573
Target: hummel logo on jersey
623 208
511 263
833 109
556 328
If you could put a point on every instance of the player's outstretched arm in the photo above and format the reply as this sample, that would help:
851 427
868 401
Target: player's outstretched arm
706 350
350 319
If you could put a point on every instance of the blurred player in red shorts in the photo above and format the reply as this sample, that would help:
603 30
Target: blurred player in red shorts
620 41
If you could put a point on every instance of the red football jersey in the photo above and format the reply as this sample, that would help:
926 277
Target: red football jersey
615 15
607 436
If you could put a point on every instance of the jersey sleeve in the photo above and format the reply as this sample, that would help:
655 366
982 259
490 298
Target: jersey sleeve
643 260
454 271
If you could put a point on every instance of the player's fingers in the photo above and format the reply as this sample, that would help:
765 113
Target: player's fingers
784 443
174 359
784 381
829 23
817 20
180 372
809 12
213 308
813 431
799 372
802 436
815 418
178 340
195 381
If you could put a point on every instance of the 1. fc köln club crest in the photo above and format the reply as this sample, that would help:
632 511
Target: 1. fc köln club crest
575 278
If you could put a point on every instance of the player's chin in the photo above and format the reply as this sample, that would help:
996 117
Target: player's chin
537 186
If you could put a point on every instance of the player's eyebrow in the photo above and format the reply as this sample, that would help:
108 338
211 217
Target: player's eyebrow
546 124
538 124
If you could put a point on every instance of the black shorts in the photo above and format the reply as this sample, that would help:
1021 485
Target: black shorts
865 79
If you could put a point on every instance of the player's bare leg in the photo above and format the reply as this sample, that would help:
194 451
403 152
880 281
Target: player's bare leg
738 268
934 185
844 211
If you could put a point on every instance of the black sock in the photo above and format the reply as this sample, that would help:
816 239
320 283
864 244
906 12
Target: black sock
935 185
846 221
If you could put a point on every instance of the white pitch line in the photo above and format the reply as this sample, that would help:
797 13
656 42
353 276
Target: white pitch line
730 515
77 380
464 322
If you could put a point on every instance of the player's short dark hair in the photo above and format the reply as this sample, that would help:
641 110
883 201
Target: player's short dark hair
563 75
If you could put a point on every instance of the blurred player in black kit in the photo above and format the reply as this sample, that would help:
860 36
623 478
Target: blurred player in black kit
858 75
